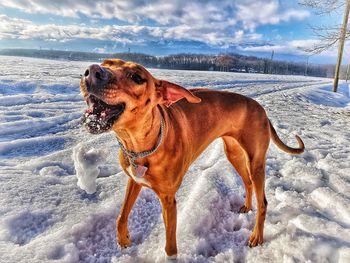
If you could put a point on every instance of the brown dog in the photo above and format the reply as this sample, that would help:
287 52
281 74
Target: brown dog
162 128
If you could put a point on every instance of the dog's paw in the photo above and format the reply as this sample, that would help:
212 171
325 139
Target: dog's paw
124 242
244 209
255 239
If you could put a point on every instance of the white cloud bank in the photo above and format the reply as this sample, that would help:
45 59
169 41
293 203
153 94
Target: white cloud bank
212 22
296 47
255 13
252 12
13 28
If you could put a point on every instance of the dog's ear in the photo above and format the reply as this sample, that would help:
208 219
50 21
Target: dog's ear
171 93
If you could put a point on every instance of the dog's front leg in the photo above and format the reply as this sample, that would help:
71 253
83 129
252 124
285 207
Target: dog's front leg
169 215
132 191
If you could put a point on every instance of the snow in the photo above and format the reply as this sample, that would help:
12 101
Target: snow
86 163
46 156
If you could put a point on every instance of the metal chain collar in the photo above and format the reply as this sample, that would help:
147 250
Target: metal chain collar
134 155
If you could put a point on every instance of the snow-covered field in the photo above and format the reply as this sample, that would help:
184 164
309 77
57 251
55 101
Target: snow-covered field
46 217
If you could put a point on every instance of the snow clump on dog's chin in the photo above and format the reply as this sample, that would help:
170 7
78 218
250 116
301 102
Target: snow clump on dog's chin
100 116
94 124
86 163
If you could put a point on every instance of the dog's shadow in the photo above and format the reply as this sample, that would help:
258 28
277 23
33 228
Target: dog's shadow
223 230
144 216
96 240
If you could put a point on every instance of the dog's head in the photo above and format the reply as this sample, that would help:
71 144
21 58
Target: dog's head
122 94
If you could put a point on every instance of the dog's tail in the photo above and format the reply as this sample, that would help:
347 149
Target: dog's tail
285 147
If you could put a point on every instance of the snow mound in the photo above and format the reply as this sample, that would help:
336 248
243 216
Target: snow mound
86 163
325 96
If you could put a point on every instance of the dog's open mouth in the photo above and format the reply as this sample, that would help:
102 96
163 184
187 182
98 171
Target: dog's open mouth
100 116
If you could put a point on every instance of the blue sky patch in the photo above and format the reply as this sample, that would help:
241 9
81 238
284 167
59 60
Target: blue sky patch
165 27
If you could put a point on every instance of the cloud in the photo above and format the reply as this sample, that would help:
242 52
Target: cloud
219 23
290 47
13 28
255 13
181 12
99 50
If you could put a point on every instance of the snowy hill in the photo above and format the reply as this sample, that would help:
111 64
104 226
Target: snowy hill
46 217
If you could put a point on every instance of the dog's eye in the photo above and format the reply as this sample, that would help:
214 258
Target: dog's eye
137 79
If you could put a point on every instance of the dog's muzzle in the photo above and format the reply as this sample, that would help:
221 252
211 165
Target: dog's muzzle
100 116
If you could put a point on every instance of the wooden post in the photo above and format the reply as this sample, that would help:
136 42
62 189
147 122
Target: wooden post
341 45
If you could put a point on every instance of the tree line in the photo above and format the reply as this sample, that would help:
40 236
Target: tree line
230 62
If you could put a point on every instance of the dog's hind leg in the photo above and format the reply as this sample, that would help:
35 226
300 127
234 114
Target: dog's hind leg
258 180
238 158
132 191
256 147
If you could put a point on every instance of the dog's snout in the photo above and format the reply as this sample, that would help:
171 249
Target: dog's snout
96 75
95 72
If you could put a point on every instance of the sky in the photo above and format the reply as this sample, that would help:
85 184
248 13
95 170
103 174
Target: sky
158 27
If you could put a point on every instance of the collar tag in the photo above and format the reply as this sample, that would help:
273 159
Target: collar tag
140 171
137 171
137 174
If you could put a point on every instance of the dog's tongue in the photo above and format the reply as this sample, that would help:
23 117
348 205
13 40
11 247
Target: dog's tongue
98 110
104 114
95 108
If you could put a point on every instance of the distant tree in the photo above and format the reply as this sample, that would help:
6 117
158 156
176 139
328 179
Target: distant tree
327 34
330 35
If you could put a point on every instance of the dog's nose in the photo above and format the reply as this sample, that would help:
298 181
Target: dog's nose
96 75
